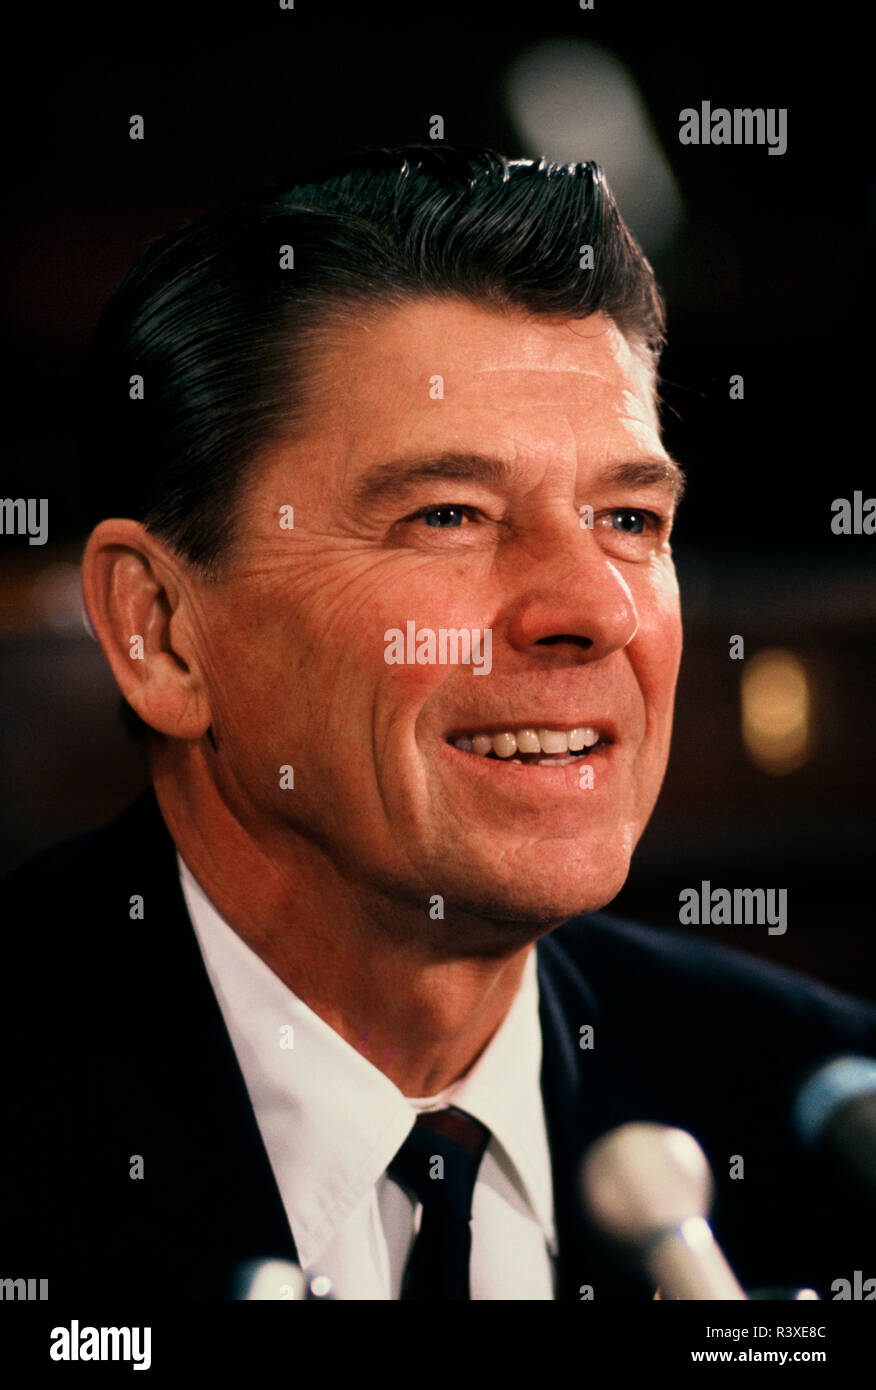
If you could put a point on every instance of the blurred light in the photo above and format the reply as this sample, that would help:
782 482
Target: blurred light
776 711
573 100
261 1281
320 1286
58 597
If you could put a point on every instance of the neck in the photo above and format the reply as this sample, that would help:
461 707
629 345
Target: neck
360 960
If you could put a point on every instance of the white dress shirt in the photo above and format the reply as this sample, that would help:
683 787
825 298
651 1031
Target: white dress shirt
331 1122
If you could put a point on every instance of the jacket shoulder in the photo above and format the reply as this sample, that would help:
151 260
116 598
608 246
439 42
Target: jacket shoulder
75 856
657 972
64 907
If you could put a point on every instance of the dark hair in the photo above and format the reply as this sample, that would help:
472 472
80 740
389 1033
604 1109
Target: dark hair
227 341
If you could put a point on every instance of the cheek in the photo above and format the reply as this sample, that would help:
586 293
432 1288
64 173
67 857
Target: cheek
359 605
258 669
656 649
322 654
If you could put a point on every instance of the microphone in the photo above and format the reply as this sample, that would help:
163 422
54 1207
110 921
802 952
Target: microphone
259 1281
650 1187
835 1110
268 1280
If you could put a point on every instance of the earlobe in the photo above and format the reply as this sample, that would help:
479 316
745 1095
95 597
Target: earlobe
131 597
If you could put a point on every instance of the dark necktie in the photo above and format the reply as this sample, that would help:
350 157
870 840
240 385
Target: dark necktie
438 1263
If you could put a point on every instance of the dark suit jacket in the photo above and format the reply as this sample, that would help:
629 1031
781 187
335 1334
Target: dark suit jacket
115 1046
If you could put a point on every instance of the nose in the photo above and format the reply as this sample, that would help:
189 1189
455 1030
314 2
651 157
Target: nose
568 596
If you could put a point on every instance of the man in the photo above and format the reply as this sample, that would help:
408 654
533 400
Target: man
382 566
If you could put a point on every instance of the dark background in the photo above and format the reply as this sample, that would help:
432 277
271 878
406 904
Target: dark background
766 275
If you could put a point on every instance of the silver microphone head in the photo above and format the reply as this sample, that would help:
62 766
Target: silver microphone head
266 1280
643 1178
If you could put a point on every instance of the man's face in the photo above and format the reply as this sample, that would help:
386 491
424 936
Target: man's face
584 620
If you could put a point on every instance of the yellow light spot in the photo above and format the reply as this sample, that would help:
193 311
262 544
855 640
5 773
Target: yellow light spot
776 711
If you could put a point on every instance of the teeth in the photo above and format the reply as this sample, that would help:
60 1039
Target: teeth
506 743
553 741
527 741
582 738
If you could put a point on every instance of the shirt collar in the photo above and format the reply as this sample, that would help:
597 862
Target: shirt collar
503 1091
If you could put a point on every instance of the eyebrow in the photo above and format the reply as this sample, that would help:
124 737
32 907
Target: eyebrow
395 480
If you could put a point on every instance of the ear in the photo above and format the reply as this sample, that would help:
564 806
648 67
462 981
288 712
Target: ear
135 595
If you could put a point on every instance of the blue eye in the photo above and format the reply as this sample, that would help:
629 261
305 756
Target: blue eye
455 514
633 523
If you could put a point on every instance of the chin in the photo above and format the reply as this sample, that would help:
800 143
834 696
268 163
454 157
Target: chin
538 900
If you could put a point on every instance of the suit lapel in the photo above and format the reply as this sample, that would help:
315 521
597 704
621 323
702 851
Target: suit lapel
580 1102
171 1085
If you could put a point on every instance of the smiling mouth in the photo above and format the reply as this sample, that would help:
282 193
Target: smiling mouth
536 747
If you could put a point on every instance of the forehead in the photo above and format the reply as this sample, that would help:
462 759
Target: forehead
383 362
